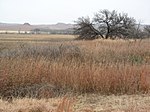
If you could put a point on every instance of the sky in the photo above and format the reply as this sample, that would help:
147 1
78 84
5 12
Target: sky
67 11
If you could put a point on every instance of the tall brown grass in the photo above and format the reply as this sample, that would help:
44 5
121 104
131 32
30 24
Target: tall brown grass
106 67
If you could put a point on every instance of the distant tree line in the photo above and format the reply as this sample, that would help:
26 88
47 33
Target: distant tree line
109 24
68 31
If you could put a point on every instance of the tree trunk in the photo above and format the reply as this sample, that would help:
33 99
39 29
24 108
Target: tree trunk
108 30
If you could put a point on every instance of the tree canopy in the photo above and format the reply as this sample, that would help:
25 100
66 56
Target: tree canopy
106 24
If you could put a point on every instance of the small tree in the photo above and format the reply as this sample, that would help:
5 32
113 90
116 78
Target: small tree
36 31
105 24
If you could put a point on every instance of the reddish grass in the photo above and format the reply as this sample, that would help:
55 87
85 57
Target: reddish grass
106 67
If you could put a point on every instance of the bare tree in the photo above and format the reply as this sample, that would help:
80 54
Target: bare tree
105 24
137 32
147 30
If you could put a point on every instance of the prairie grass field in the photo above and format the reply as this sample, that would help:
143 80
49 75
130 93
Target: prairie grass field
37 71
34 38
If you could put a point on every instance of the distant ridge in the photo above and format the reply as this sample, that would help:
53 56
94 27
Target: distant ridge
28 26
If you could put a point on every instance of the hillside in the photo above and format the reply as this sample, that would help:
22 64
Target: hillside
27 26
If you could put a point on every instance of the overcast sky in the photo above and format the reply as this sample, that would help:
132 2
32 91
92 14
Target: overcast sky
54 11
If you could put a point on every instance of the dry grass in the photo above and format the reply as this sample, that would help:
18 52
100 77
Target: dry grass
52 69
81 103
34 38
